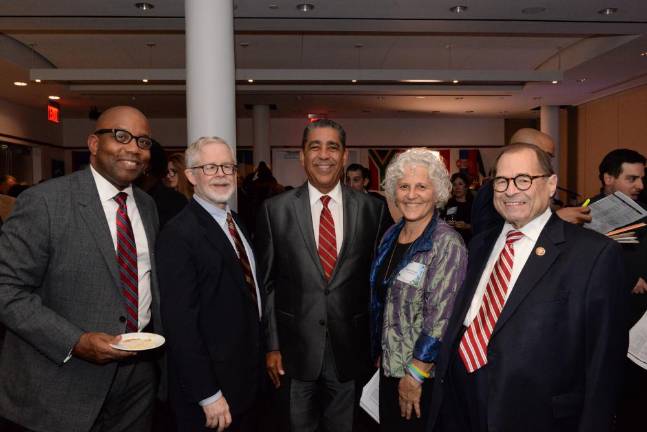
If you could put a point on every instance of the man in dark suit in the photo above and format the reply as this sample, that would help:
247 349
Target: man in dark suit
315 246
211 303
77 269
358 177
537 338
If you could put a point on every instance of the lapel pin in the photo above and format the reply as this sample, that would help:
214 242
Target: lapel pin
540 251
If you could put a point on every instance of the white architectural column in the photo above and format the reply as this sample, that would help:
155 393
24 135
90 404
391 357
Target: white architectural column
262 151
210 70
549 124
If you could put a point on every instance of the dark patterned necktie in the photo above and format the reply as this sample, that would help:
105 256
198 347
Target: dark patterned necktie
327 239
242 256
127 260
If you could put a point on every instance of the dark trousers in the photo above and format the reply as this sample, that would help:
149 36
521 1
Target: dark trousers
633 399
390 418
322 405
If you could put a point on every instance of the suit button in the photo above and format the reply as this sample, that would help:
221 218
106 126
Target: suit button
122 319
326 291
322 322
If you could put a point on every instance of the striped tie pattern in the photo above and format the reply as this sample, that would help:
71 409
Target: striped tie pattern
242 255
127 260
473 346
327 239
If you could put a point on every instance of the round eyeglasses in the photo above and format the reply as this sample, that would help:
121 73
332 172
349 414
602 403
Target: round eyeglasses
122 136
521 182
212 169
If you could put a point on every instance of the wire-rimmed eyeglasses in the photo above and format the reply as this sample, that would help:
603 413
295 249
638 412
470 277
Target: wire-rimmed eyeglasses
122 136
521 182
212 169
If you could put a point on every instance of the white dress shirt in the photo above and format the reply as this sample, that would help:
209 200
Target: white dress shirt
107 192
522 250
336 207
220 216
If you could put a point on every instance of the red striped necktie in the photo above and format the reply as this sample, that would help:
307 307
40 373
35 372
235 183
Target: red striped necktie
127 260
327 239
242 256
473 346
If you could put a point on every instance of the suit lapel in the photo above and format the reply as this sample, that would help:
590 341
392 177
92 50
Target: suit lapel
95 220
536 267
301 206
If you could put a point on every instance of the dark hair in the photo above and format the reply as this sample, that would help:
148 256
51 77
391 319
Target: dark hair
323 123
461 176
158 163
612 163
542 157
264 172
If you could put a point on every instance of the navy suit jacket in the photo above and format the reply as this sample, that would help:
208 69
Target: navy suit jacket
556 354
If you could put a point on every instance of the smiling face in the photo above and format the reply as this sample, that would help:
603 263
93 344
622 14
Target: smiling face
118 163
414 194
520 207
217 188
323 158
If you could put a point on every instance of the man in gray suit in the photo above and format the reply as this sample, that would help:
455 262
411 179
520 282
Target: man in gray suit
315 246
65 291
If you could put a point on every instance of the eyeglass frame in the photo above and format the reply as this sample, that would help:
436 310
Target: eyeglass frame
114 131
514 180
234 167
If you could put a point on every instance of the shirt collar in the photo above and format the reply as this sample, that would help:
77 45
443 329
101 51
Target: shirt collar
107 191
533 228
315 195
211 208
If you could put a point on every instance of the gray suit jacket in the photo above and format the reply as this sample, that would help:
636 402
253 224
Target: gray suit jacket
58 279
303 309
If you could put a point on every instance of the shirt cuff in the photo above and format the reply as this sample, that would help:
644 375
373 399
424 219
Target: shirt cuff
211 399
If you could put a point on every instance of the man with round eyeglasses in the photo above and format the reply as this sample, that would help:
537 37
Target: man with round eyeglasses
76 271
537 336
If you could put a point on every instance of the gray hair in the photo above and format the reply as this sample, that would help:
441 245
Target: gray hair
191 152
436 172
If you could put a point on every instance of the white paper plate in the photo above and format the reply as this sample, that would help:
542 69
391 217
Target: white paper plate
139 342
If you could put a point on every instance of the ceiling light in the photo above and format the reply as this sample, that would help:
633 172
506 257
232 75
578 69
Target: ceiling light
19 83
250 80
608 11
145 80
455 81
458 9
554 82
420 97
422 81
273 6
144 6
533 10
53 97
643 54
353 81
305 7
37 80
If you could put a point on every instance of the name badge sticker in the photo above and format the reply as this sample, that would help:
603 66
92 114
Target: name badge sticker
412 274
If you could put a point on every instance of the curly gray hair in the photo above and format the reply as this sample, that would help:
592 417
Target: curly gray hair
436 172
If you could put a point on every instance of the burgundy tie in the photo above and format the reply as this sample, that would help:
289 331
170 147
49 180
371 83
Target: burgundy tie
242 256
473 345
327 239
127 260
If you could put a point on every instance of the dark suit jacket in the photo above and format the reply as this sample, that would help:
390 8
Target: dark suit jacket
302 307
58 279
214 331
484 215
556 353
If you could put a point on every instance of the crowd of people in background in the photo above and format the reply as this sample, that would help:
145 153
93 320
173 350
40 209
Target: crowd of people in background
478 310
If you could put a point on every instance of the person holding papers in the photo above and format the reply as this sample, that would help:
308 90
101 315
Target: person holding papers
419 267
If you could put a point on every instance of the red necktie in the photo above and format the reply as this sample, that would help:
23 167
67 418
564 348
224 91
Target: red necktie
242 256
127 260
473 345
327 240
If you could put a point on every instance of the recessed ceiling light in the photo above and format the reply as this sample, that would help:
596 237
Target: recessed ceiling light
273 6
145 80
455 81
608 11
353 81
19 83
53 97
643 54
422 81
420 97
37 80
144 6
305 7
554 82
458 9
533 10
250 80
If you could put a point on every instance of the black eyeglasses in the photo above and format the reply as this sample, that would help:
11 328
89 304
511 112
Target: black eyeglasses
212 169
521 182
124 137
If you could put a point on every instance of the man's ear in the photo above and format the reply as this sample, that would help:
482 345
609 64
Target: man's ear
608 179
93 144
365 183
190 176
